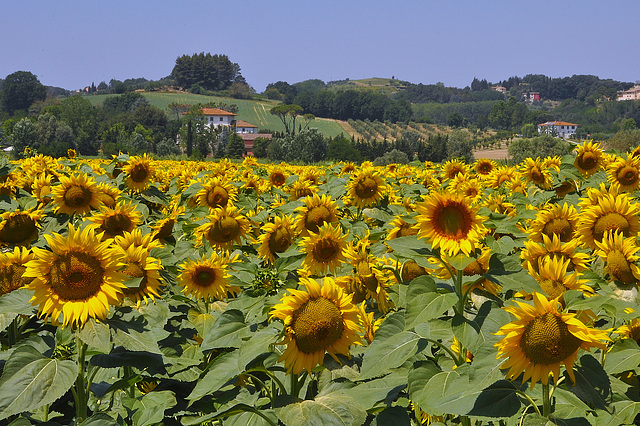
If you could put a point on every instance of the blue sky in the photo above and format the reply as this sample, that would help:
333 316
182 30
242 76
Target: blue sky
72 43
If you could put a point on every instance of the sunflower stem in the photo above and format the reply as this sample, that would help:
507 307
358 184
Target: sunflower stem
294 384
531 401
546 400
14 333
80 392
462 297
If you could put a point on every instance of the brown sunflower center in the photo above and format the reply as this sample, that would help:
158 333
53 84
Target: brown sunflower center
627 175
325 250
19 229
366 187
619 267
280 240
139 173
77 196
317 325
634 333
224 230
411 270
537 176
217 197
484 168
366 276
165 230
453 221
11 278
587 161
552 287
610 221
76 276
316 216
277 179
204 276
547 340
560 227
117 224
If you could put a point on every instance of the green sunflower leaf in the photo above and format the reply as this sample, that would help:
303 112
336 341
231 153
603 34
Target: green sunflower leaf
39 382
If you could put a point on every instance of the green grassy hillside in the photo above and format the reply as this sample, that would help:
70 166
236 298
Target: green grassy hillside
252 111
386 86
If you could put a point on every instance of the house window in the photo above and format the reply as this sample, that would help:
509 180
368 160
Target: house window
221 118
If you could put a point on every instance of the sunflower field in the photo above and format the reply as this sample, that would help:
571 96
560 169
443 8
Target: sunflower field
139 291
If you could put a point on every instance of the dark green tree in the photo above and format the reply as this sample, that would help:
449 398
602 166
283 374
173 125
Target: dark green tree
539 146
235 146
20 90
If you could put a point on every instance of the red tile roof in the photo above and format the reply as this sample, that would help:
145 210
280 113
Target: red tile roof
557 123
215 111
240 123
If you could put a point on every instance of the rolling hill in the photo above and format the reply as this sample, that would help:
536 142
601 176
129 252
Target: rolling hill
253 111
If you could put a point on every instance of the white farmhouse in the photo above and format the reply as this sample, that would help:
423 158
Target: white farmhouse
215 117
560 128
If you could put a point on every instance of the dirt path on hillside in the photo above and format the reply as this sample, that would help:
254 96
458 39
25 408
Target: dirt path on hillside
499 153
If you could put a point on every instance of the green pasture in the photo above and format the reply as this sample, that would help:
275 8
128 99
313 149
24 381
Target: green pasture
252 111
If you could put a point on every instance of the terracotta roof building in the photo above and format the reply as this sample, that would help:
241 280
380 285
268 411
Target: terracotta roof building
560 128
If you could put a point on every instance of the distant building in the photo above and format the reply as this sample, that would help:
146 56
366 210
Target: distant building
560 128
531 96
217 117
249 140
632 94
500 89
244 127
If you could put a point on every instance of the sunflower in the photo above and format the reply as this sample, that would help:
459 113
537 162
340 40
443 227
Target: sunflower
554 219
543 338
137 239
589 158
225 228
400 228
452 168
450 223
625 172
71 154
11 269
163 228
620 255
277 177
501 175
317 210
77 279
630 330
610 214
348 168
139 171
554 278
75 194
41 188
321 319
19 227
108 194
366 188
299 189
369 324
411 270
207 277
324 249
138 264
535 254
116 221
498 204
479 266
534 171
594 194
276 237
484 166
